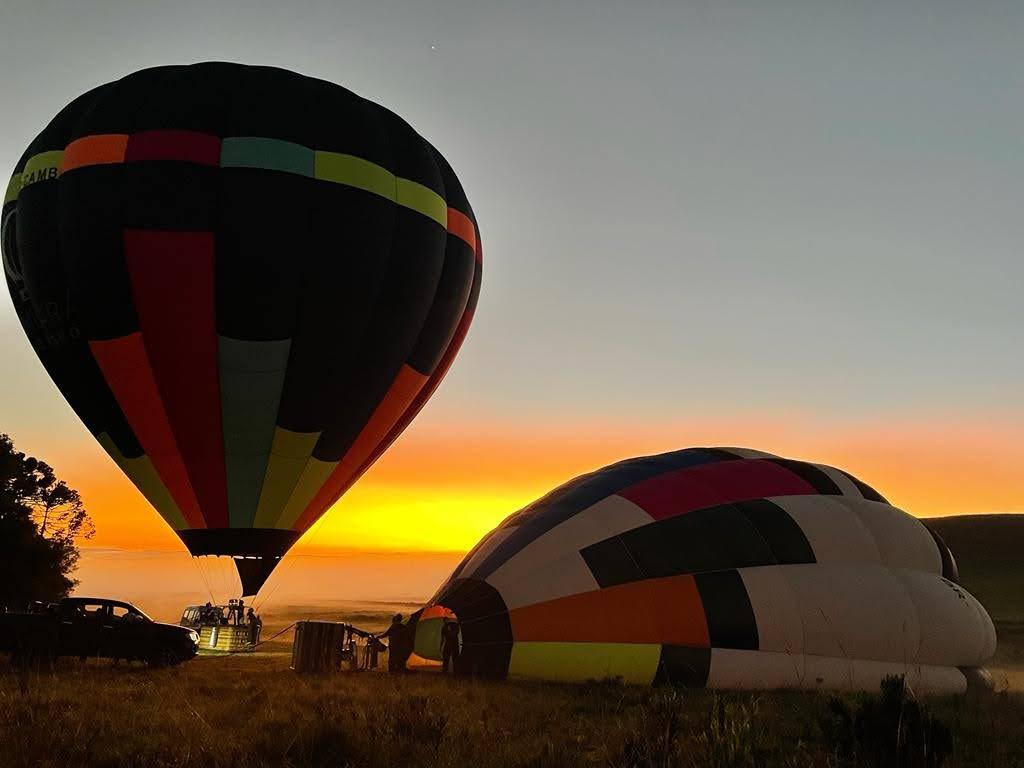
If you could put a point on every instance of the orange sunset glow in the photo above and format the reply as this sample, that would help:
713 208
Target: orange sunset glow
441 487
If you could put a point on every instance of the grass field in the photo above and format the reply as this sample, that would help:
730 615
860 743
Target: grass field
252 710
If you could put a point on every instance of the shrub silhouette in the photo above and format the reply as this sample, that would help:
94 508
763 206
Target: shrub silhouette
891 730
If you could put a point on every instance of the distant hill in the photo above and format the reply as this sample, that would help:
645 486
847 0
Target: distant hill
989 550
982 540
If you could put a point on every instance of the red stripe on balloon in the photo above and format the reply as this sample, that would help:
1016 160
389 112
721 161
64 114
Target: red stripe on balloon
126 368
709 485
172 276
181 146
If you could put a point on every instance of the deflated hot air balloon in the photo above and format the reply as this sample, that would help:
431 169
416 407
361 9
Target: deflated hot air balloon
718 567
246 282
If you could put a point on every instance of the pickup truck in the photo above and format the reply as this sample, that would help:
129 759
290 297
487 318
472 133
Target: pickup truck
86 626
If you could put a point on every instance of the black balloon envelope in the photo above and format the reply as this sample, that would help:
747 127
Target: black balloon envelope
246 282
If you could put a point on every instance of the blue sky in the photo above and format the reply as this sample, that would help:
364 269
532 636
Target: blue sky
686 208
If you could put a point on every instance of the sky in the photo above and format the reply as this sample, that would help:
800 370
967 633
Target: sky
792 226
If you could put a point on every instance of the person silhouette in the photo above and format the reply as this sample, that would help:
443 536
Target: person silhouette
449 645
399 644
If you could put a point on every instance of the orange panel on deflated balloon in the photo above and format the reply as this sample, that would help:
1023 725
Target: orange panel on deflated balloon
666 610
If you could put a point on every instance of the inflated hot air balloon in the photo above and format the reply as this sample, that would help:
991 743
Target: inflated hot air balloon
717 567
246 282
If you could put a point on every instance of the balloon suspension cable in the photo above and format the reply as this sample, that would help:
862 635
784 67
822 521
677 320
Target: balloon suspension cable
225 577
288 564
211 572
202 575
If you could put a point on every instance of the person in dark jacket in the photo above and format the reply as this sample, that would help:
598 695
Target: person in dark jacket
255 625
449 645
399 638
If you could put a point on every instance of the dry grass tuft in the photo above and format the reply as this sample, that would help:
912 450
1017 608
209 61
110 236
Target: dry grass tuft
253 712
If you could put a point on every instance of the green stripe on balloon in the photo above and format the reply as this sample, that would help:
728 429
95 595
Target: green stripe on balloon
251 380
289 453
267 154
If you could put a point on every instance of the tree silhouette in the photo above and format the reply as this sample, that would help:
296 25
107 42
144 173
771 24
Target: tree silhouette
42 520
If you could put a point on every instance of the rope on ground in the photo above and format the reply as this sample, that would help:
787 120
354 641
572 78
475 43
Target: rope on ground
310 535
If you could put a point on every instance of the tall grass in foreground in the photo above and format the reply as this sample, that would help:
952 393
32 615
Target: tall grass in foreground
253 711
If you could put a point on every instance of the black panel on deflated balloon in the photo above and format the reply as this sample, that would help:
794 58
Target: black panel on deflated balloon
611 562
704 540
485 625
814 476
731 621
781 533
866 490
683 666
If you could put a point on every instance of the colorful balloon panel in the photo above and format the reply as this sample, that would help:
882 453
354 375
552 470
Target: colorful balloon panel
246 282
718 567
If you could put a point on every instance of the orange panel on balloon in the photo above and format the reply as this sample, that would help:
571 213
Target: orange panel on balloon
417 403
125 366
102 149
403 390
460 225
667 610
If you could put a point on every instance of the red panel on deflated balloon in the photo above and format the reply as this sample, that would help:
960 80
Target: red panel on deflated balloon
709 485
172 276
